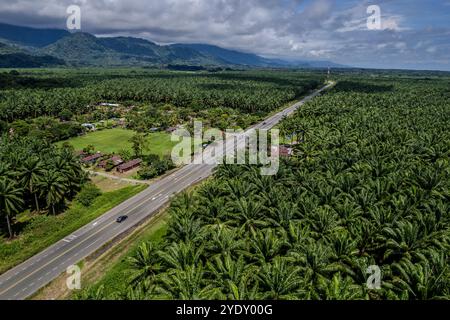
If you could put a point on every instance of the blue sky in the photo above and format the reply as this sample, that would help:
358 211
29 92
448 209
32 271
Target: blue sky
414 34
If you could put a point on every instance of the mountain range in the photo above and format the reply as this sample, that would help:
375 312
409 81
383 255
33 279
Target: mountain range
31 47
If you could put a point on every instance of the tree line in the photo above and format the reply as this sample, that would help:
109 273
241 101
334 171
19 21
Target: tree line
254 92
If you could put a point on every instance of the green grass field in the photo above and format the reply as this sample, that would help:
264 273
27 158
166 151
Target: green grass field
115 140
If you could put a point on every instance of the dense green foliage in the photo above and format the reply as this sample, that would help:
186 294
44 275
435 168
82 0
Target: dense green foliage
35 174
370 185
46 128
79 91
155 166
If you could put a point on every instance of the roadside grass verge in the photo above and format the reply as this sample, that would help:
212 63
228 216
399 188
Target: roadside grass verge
44 230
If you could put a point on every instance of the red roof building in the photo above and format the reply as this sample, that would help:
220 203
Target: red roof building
129 165
92 158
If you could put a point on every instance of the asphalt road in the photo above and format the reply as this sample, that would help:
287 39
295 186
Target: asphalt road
25 279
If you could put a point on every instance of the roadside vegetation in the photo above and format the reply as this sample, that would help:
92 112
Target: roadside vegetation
368 186
41 231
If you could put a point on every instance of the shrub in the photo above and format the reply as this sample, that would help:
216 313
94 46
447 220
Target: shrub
65 115
151 158
148 172
88 194
89 149
125 155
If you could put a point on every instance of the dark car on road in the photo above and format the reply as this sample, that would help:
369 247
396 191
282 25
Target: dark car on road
121 219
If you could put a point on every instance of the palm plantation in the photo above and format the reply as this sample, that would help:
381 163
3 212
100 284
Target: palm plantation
363 189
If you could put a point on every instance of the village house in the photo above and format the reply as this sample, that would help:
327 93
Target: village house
125 167
115 160
92 158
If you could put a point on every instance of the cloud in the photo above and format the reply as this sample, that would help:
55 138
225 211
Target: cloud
295 29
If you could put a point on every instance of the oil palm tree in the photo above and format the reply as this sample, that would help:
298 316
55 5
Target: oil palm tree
92 293
245 289
186 284
224 241
180 255
283 215
52 187
227 269
10 201
265 245
144 264
280 280
186 229
6 171
428 279
404 241
314 261
339 288
247 214
31 173
214 212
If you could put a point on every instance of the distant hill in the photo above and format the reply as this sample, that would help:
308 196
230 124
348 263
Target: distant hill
30 36
319 64
79 48
248 59
14 57
84 49
228 56
7 49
